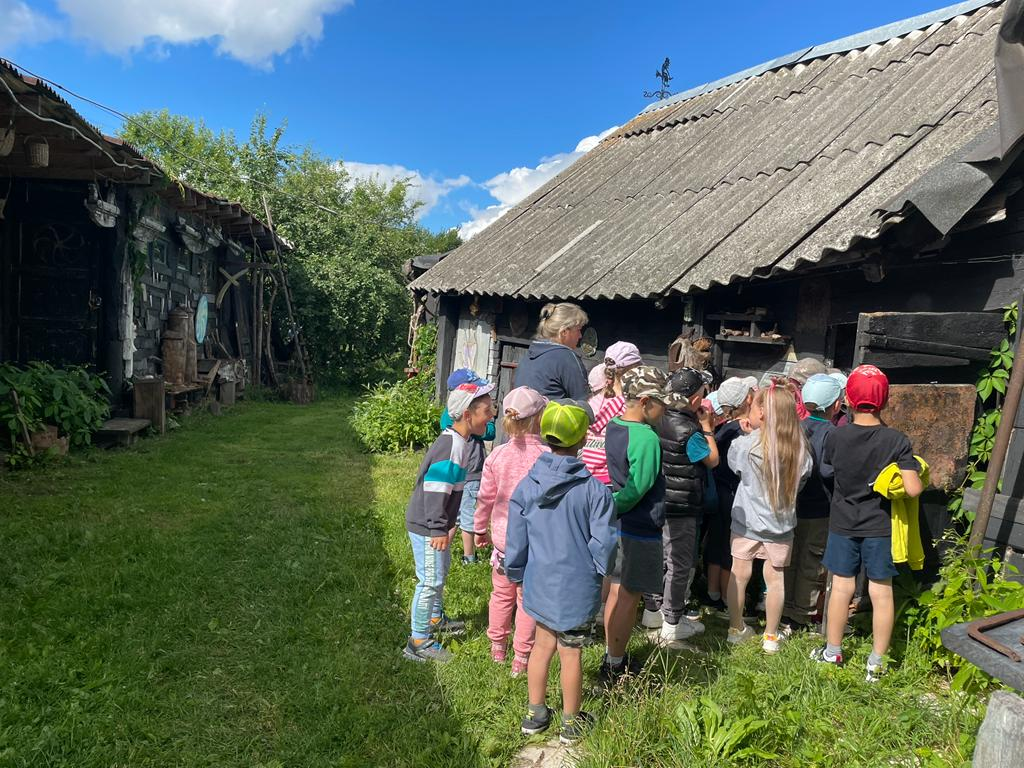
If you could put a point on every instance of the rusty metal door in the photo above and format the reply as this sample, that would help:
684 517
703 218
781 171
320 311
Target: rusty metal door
56 296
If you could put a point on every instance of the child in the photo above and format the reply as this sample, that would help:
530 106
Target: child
860 528
735 396
607 404
634 465
503 470
772 462
431 514
474 466
688 450
560 539
804 576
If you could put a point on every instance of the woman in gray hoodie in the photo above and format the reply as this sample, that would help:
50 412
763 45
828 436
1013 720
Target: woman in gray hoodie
550 366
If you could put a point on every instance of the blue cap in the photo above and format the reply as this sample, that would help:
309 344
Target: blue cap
822 390
464 376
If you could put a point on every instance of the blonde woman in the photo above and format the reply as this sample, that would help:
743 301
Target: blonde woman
550 366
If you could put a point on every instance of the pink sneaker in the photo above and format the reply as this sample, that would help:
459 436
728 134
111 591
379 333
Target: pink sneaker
519 665
498 652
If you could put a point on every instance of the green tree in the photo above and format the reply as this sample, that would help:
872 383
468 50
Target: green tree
351 239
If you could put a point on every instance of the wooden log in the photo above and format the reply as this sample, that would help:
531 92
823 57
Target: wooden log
981 330
1001 736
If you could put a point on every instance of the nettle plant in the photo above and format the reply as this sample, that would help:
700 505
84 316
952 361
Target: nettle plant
73 400
991 386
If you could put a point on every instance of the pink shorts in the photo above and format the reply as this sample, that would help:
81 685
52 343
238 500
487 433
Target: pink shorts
777 553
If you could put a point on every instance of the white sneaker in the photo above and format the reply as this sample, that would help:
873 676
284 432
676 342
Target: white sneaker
739 635
652 619
770 643
875 672
680 631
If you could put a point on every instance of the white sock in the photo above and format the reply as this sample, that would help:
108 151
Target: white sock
615 660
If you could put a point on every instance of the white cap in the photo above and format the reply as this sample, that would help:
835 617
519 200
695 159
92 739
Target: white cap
733 391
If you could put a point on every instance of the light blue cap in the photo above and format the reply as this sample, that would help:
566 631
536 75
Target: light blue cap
822 390
715 405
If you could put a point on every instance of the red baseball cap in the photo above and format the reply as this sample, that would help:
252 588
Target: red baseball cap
867 388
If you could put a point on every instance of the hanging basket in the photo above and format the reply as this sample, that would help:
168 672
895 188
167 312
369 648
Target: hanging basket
37 152
6 140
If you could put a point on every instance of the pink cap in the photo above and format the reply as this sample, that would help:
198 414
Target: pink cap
596 378
523 402
623 354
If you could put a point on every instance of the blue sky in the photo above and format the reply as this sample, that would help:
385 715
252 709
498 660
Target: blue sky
478 102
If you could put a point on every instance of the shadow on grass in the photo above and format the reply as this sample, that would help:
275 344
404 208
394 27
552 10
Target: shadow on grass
221 596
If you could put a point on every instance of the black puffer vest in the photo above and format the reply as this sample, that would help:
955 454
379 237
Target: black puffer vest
684 480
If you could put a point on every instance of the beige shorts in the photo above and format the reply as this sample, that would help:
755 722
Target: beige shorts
777 553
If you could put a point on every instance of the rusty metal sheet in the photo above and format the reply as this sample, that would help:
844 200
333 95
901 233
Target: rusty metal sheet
938 418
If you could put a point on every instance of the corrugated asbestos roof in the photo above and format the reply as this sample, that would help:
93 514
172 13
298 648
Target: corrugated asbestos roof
231 216
766 170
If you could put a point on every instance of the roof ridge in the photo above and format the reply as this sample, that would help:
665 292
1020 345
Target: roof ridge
841 45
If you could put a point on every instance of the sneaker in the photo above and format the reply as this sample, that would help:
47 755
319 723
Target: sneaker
718 607
652 619
681 631
575 728
770 643
519 664
531 725
612 674
819 655
426 650
790 628
692 612
875 672
469 560
739 635
499 651
446 625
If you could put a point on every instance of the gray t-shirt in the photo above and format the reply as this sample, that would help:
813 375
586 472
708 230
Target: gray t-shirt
752 517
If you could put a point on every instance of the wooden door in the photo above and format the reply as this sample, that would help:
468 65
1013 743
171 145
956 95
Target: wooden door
54 281
511 354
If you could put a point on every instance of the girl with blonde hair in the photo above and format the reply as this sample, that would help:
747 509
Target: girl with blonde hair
772 463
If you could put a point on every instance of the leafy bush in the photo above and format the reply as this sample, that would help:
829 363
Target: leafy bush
970 586
71 399
403 415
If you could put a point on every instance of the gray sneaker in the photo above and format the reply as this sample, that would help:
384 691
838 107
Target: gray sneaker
575 728
428 650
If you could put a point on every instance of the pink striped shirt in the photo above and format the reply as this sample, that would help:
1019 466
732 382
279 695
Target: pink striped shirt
593 454
503 469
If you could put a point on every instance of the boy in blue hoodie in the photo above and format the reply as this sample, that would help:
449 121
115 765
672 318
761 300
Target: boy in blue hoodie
559 542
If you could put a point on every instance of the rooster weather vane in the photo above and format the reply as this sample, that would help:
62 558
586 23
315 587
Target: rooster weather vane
664 78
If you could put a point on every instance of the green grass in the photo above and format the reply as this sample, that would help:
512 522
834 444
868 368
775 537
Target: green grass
235 594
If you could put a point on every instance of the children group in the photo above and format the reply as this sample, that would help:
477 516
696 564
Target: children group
608 488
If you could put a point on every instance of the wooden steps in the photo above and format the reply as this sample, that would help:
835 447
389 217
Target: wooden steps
121 432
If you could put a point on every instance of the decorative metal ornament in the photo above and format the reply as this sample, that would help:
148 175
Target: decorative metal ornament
588 343
202 318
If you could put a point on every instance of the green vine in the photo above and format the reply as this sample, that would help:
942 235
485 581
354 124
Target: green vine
991 386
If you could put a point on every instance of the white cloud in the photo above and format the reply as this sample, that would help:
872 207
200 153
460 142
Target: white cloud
428 190
512 186
19 24
252 31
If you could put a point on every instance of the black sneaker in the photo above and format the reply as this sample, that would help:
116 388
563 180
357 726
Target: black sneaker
428 650
470 560
692 612
446 625
611 674
718 606
531 725
575 728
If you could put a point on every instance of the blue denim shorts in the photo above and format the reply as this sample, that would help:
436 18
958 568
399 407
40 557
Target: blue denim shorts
844 556
467 507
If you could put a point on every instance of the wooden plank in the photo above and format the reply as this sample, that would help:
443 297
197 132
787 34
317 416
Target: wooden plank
981 330
905 359
875 342
148 396
1006 525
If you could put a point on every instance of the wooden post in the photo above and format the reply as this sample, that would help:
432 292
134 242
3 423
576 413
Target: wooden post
257 317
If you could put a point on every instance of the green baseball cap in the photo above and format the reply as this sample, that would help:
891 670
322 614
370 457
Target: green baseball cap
564 424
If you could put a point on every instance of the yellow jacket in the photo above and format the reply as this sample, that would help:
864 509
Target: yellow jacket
906 527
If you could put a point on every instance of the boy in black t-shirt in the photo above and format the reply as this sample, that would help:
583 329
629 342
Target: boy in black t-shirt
860 528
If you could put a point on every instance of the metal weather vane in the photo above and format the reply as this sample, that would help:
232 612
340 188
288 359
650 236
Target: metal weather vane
664 78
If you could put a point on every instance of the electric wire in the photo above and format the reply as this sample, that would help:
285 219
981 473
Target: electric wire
168 146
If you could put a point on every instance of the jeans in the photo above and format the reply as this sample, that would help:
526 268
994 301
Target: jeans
431 572
467 507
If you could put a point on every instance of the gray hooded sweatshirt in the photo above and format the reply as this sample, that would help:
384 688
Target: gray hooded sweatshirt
752 517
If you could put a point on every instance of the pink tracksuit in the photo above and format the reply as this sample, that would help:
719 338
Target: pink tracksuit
503 469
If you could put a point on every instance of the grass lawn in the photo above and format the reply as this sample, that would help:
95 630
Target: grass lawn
235 594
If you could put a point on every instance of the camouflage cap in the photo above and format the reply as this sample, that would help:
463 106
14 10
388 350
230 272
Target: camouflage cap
644 381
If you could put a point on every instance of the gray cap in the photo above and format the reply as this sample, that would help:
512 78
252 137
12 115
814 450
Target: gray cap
733 391
805 368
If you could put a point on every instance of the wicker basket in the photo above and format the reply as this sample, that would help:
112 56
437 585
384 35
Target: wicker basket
37 152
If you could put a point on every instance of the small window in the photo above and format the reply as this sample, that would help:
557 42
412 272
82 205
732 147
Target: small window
158 252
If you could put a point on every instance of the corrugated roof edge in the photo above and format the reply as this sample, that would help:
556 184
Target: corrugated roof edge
842 45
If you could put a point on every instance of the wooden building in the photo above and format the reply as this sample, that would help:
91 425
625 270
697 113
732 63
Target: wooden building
856 201
98 245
